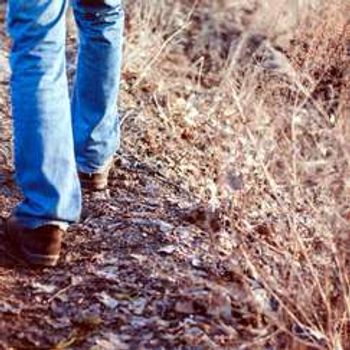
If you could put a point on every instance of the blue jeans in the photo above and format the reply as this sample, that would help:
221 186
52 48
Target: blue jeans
55 136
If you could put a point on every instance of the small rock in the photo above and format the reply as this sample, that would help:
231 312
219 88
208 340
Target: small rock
6 308
107 300
184 233
139 306
170 249
76 280
109 273
139 322
164 227
109 341
262 300
43 288
196 262
185 307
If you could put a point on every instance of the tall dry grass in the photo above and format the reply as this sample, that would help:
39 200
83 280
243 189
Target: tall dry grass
247 103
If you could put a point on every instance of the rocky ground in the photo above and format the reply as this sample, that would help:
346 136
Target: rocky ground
136 273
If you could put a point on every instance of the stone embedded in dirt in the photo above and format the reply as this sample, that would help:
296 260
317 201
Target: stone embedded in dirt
196 262
6 308
263 301
139 306
76 280
168 250
107 300
225 242
185 307
108 273
140 322
109 341
184 232
139 258
163 226
43 288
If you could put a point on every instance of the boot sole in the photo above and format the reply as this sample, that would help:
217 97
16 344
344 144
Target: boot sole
93 186
24 254
39 259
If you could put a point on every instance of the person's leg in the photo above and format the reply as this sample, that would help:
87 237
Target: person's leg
94 104
44 150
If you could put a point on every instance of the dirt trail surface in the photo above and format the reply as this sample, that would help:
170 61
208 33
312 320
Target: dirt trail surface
128 277
136 273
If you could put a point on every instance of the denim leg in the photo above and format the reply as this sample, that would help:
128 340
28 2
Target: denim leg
94 103
43 136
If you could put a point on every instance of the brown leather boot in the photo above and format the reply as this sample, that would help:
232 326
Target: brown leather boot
96 181
40 247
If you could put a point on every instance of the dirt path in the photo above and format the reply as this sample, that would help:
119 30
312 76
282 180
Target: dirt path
138 272
127 278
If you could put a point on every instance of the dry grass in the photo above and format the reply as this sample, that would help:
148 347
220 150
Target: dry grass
247 105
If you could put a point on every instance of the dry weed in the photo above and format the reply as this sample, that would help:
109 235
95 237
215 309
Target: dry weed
260 132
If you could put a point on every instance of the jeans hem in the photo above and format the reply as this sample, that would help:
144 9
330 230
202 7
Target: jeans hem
34 223
96 170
